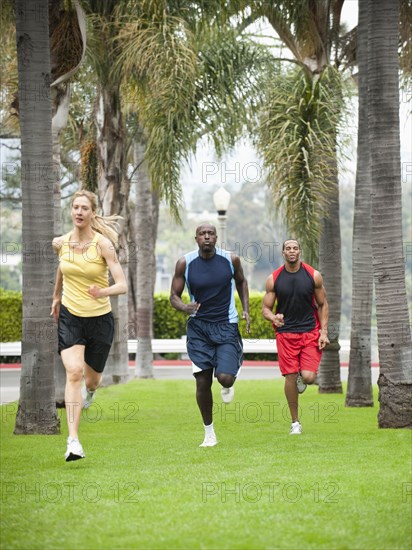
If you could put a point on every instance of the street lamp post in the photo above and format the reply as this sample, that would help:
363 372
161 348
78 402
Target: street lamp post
221 199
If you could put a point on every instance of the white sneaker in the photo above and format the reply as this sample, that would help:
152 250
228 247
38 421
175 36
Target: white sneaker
74 450
296 428
301 385
209 441
227 394
87 397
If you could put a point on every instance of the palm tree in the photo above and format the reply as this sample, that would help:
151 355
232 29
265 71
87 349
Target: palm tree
302 114
157 86
359 382
188 79
67 48
112 183
311 32
359 392
67 51
394 338
145 225
37 410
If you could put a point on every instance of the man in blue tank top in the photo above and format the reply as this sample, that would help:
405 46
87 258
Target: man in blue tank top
300 323
214 344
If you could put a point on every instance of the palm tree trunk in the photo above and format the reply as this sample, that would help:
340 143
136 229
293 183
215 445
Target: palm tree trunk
113 189
394 337
132 272
60 108
330 261
359 392
146 261
330 265
37 410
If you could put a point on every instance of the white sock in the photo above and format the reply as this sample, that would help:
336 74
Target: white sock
209 430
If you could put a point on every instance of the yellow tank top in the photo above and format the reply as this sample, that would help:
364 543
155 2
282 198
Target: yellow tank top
81 270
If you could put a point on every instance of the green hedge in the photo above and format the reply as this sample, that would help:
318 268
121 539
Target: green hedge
168 323
10 315
259 327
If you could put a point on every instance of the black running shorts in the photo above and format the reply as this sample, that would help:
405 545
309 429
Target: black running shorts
95 333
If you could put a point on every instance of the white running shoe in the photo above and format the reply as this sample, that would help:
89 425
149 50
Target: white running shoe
74 450
227 394
209 441
87 397
301 385
296 428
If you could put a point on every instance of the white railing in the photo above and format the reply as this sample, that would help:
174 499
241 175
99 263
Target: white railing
162 346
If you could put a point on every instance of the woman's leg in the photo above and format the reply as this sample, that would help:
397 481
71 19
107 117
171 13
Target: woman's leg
92 378
73 361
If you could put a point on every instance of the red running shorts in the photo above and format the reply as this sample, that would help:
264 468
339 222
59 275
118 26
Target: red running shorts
298 351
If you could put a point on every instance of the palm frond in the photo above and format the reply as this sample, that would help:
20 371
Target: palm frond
228 92
8 71
298 143
186 79
100 34
64 53
163 53
405 28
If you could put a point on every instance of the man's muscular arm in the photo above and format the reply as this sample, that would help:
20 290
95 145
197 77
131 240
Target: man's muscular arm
242 289
269 300
178 285
323 309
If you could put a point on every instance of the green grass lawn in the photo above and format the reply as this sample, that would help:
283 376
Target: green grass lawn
145 483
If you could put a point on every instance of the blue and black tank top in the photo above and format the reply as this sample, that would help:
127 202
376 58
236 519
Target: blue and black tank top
210 282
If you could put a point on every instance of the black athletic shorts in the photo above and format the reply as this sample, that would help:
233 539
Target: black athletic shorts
95 333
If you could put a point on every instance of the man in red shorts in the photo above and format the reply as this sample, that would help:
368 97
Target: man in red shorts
300 323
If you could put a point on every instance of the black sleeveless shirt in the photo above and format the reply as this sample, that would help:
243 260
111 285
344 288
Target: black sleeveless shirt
295 299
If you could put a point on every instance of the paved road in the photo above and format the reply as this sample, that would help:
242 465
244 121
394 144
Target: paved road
10 377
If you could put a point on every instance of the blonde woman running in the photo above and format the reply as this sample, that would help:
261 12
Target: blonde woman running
81 305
